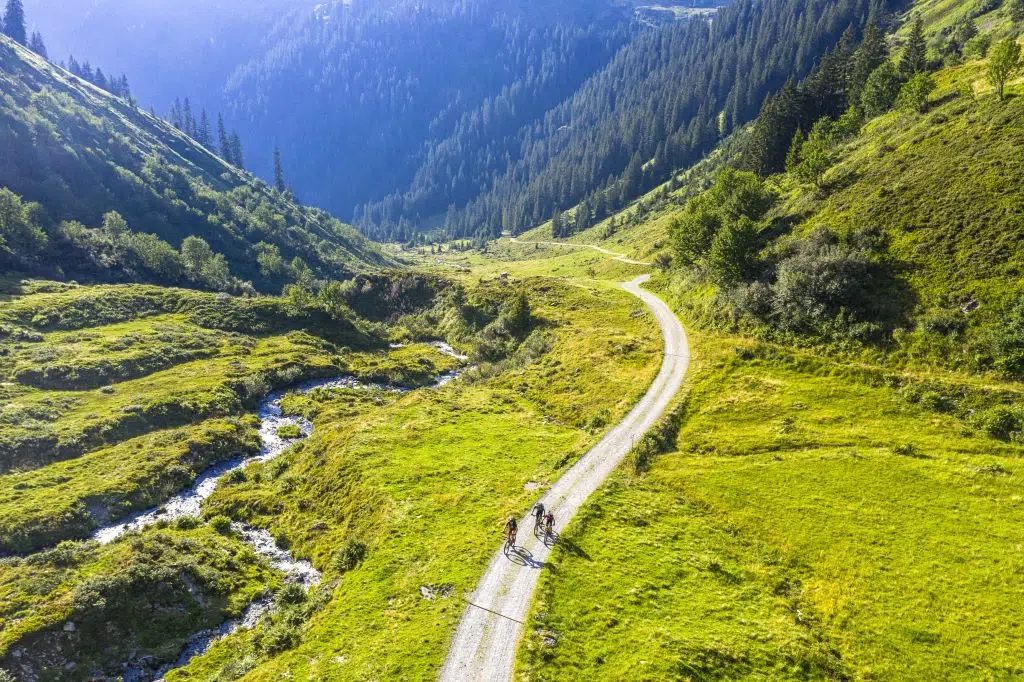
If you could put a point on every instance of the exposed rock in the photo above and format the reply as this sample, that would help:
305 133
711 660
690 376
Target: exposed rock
69 626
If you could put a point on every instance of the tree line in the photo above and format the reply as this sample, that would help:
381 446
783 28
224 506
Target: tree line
665 99
13 25
228 147
414 94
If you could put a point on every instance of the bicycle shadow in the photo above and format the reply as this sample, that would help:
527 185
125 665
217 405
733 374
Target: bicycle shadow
551 538
523 557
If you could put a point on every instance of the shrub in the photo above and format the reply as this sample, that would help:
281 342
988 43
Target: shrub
291 594
221 524
999 422
349 556
978 46
188 522
821 280
908 450
289 431
934 401
913 97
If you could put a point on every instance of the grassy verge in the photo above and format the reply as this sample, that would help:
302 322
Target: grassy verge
400 500
808 525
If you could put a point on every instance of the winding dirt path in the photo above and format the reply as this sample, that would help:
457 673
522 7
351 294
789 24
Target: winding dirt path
615 256
484 645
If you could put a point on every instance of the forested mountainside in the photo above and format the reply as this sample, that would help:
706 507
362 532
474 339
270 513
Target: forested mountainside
663 101
168 48
93 188
883 215
391 85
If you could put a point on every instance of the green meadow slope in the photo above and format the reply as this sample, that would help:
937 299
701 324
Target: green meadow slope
837 495
80 153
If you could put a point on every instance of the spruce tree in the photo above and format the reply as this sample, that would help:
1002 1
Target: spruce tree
100 80
37 45
222 140
237 158
203 135
174 116
14 21
868 57
188 120
279 184
913 59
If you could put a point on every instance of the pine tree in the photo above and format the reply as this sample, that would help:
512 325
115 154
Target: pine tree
913 59
188 121
37 45
100 80
174 115
237 158
868 57
203 135
14 21
279 184
223 142
73 67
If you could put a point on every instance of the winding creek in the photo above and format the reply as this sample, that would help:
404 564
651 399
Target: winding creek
189 501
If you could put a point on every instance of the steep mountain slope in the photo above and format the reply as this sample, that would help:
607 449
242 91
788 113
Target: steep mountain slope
660 104
385 82
81 153
836 496
168 48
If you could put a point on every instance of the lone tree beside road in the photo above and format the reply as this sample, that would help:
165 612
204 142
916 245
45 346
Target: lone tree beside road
1003 63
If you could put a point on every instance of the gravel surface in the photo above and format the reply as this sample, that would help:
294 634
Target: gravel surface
484 645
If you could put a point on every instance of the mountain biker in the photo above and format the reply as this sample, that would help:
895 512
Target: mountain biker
549 521
538 515
510 529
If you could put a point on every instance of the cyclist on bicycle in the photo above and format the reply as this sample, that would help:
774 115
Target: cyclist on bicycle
510 530
538 516
549 522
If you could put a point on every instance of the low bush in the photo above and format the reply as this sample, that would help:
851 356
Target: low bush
349 556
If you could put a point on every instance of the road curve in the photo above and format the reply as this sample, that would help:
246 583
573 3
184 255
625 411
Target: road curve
484 645
615 256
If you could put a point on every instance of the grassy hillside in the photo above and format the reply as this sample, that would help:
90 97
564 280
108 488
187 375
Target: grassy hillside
809 522
81 153
118 396
837 496
424 483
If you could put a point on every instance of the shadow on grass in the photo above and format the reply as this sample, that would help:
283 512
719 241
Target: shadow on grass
523 557
551 538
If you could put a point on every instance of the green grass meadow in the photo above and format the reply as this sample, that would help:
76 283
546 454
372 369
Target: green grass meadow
807 525
424 482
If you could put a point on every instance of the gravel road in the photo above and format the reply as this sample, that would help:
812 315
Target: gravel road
484 645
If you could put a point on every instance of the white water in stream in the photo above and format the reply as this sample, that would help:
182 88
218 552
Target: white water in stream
189 501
